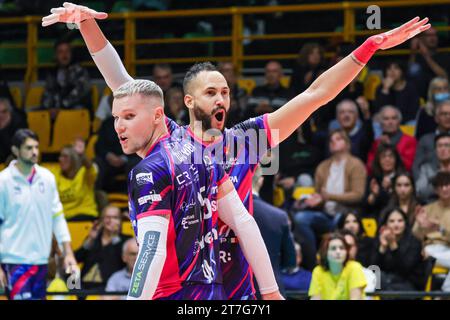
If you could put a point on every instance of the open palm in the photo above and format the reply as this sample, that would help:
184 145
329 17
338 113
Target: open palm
399 35
71 13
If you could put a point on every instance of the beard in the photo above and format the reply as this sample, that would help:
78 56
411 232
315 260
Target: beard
205 118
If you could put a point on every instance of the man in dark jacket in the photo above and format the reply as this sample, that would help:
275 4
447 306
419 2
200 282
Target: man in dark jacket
274 226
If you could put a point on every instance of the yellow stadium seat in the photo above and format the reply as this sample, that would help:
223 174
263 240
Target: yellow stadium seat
33 98
96 124
90 148
370 86
127 229
247 84
70 125
408 130
17 96
370 226
52 166
79 230
303 192
285 81
119 200
278 197
39 122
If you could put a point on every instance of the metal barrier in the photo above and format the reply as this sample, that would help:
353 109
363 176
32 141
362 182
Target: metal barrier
236 37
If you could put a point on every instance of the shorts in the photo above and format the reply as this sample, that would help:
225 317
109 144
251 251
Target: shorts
25 281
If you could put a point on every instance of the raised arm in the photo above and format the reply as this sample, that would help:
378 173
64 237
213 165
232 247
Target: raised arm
235 215
328 85
103 53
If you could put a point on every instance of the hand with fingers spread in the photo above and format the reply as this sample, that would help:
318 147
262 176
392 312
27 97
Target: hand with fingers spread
72 13
390 38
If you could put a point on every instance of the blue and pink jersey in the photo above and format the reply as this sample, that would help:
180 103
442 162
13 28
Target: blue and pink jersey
238 151
169 181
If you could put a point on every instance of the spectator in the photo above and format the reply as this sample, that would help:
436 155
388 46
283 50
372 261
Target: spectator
238 96
425 63
120 280
174 106
104 107
309 65
403 196
438 91
68 86
337 277
270 96
405 145
428 170
75 180
275 231
162 75
352 242
5 93
359 131
397 91
426 151
386 165
339 185
397 252
296 279
101 253
351 222
10 122
110 159
433 223
30 213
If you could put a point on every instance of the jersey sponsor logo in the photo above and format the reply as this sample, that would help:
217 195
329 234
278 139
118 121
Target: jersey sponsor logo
188 221
208 271
152 197
188 177
208 238
144 178
41 187
146 255
224 256
185 152
204 202
234 179
186 206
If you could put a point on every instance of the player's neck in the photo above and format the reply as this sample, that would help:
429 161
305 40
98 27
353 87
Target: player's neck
24 168
157 134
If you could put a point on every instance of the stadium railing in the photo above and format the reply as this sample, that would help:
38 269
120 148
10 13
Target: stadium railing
348 32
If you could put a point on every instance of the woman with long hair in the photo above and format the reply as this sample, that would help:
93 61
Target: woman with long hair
404 195
337 277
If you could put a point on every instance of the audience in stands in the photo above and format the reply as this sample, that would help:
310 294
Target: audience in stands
433 223
352 243
238 96
5 92
351 222
101 253
120 280
396 90
438 91
426 149
68 85
397 253
75 180
104 107
339 185
162 75
337 277
359 130
297 278
270 96
428 170
111 160
405 145
10 122
386 165
274 226
174 106
425 63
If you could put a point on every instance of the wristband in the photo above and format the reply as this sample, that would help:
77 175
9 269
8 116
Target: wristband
365 51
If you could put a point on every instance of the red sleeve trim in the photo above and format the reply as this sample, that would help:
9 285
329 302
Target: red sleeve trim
153 213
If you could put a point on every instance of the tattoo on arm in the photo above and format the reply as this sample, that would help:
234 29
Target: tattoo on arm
143 263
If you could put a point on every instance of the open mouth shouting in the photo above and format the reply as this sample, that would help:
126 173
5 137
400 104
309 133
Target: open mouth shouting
123 139
218 119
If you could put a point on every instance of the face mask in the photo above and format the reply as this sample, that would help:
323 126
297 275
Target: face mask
439 97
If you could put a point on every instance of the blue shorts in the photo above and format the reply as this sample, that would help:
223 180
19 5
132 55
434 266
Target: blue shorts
198 292
26 282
